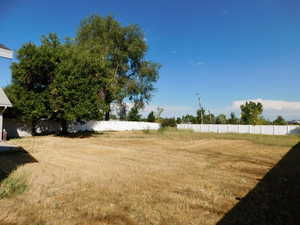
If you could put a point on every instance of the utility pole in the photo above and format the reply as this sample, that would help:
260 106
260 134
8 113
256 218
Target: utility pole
200 107
209 117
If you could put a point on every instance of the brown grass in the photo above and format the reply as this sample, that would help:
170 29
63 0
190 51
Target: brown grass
130 178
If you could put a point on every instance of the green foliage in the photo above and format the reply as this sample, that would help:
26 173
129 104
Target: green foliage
13 185
200 115
251 112
233 119
151 117
54 81
221 119
134 115
146 131
122 113
79 78
168 122
279 121
73 91
124 69
31 79
178 120
189 119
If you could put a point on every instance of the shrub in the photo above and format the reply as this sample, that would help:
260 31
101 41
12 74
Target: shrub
146 131
151 117
168 122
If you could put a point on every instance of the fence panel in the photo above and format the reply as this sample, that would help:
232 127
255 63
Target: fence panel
243 129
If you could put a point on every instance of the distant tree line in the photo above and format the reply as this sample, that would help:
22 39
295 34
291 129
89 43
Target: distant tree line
251 114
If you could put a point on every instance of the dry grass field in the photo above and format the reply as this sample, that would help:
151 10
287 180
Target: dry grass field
156 178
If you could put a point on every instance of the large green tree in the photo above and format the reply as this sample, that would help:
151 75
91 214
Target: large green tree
31 77
79 78
121 52
55 81
74 92
251 112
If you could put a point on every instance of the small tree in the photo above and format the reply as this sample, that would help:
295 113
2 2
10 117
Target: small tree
200 115
233 119
189 119
168 122
158 113
279 121
122 112
221 119
151 117
178 120
134 115
251 112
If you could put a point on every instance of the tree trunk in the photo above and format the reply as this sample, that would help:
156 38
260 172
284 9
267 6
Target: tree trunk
107 116
108 100
33 126
64 127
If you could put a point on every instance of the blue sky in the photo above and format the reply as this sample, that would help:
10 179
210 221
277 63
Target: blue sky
228 50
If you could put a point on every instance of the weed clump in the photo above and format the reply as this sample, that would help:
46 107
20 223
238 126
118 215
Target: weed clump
14 184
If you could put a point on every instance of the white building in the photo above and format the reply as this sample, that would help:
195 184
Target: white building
4 101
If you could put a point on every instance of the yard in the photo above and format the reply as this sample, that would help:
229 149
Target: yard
159 178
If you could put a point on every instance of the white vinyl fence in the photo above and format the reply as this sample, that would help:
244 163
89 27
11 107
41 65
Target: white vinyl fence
242 129
113 125
15 128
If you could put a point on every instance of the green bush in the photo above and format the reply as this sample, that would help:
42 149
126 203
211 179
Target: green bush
168 122
151 117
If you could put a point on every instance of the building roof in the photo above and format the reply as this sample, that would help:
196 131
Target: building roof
5 52
4 101
4 47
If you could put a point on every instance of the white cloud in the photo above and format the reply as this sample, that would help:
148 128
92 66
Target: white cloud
197 63
200 63
273 108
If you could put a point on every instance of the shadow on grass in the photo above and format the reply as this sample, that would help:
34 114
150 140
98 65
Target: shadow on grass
83 134
13 158
275 199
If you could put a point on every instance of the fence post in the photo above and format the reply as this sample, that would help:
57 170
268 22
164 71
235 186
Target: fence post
273 129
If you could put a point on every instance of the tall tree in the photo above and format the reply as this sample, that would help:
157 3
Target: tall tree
74 93
251 112
121 49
